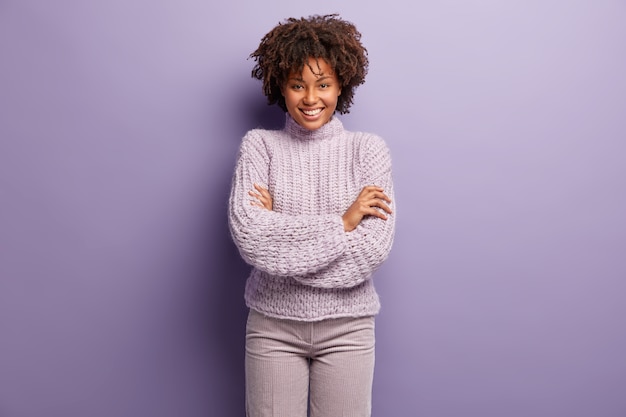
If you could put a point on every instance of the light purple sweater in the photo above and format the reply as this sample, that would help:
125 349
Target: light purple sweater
304 265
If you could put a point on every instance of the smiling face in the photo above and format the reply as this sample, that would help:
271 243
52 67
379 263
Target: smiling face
311 97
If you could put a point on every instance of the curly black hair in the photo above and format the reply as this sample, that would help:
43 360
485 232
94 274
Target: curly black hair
290 44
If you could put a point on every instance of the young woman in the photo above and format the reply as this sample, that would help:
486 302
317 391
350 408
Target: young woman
310 211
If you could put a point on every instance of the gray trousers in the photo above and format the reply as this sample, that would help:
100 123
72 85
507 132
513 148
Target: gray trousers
325 366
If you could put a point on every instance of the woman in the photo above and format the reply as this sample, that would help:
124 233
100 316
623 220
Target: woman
310 211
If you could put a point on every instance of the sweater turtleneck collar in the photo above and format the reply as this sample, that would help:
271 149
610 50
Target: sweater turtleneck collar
332 128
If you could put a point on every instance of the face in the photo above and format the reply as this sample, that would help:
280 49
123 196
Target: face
311 98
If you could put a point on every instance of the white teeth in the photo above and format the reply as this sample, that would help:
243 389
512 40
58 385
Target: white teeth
311 112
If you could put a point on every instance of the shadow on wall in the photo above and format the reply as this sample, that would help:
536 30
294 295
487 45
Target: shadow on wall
227 316
223 308
261 115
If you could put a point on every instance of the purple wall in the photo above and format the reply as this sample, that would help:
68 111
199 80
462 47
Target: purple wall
121 292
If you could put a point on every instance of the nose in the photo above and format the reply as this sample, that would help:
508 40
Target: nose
310 96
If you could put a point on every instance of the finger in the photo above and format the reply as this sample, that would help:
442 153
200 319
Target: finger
384 206
382 196
259 200
264 192
376 213
374 200
378 193
380 204
265 203
261 204
257 197
265 196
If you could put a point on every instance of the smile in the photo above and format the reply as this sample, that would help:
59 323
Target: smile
312 112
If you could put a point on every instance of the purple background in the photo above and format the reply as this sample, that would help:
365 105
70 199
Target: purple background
121 292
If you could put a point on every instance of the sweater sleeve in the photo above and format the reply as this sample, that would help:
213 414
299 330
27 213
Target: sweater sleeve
369 245
277 243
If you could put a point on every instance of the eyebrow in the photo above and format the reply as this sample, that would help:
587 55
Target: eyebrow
322 78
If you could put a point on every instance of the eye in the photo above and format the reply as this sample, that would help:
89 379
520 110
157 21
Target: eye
324 85
296 86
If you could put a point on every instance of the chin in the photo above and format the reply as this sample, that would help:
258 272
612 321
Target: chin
313 124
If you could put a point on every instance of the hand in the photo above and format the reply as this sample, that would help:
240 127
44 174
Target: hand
367 203
263 197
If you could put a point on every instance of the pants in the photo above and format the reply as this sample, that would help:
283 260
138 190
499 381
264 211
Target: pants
325 366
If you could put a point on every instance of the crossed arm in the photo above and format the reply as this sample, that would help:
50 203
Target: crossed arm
365 204
311 248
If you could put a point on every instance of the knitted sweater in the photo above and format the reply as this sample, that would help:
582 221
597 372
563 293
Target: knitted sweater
304 265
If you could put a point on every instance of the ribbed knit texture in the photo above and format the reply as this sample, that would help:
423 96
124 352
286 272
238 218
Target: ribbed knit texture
305 266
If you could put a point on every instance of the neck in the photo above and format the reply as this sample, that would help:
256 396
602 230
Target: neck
332 128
